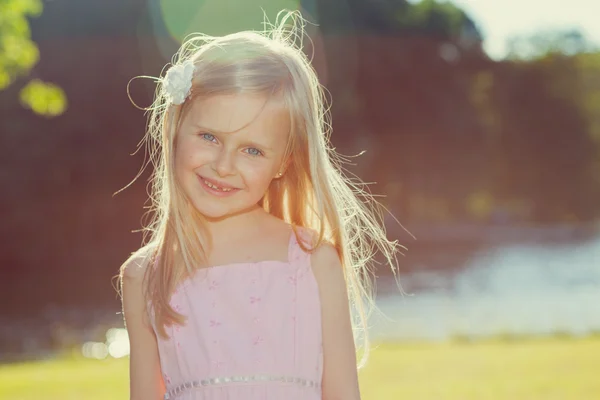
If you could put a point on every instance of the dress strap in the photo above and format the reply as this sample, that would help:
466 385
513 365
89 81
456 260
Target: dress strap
295 252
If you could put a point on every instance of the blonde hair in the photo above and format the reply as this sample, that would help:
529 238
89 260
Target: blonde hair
313 193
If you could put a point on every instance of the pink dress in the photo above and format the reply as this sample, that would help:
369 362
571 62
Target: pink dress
253 331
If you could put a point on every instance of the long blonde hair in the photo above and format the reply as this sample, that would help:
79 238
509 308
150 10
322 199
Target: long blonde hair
313 193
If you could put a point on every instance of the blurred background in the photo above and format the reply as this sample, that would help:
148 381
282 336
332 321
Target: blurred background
480 123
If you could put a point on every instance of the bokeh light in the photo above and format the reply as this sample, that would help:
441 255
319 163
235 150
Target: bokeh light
118 342
44 99
116 345
95 350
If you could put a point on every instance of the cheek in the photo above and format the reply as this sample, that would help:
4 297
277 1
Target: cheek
190 156
257 175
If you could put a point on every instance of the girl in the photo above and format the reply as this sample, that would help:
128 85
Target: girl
258 250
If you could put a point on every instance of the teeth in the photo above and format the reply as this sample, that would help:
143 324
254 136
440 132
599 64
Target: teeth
210 185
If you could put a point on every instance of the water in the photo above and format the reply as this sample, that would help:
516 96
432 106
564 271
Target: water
528 289
510 290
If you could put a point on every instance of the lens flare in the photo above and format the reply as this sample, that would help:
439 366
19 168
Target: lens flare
219 17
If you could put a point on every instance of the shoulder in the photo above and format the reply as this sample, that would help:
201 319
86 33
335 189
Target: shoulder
324 258
135 267
132 280
339 378
327 267
323 253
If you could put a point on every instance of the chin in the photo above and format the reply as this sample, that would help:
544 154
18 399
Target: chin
220 211
213 212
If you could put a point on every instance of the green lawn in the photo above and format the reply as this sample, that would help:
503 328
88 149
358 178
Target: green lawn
535 369
561 369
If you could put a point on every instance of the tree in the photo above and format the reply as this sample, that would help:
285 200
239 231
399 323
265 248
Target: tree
541 44
19 54
440 18
543 128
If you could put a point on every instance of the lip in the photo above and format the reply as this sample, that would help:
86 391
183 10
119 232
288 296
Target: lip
217 183
214 192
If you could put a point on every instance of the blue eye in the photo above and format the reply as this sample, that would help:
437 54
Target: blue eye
254 151
208 136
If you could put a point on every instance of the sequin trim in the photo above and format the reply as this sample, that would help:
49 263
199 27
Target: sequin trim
238 379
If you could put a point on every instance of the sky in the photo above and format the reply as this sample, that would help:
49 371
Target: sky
498 20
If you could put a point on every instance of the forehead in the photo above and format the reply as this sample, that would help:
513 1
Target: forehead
246 114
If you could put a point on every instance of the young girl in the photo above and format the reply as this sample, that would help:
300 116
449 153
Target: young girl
258 250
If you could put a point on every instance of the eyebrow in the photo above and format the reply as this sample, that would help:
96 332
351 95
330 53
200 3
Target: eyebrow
204 128
246 143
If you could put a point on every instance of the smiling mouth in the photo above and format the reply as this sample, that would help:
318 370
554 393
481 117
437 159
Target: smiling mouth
210 185
214 186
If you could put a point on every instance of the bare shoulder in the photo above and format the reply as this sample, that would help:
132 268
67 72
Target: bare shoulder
131 288
134 268
327 266
145 377
340 379
325 259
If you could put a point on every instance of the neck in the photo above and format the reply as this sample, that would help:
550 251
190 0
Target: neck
236 225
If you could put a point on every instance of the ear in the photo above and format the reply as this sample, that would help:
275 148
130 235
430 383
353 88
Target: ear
283 168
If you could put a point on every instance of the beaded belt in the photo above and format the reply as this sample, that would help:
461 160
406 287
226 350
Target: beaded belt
238 379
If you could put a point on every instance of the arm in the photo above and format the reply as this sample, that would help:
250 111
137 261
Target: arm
145 377
340 377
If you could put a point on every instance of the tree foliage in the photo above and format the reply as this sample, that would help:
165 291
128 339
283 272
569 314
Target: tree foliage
568 42
19 54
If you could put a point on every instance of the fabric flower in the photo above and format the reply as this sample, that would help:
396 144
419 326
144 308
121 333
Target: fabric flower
177 83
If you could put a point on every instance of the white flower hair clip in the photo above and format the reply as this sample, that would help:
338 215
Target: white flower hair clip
177 83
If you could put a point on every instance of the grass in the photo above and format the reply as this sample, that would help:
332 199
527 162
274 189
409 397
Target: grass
68 378
531 369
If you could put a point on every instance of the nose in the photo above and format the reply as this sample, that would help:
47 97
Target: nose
224 164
